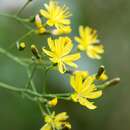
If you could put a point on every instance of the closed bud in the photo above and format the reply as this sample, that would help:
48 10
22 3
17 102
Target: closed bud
38 22
35 51
21 46
101 75
100 72
53 102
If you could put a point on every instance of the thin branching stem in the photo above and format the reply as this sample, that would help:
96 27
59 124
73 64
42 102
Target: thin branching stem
48 109
22 38
16 59
45 77
23 7
22 20
34 99
30 78
63 96
41 109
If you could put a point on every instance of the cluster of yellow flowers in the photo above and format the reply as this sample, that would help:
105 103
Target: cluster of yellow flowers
58 23
54 20
58 20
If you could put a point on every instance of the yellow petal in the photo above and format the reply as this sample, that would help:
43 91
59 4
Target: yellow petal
81 30
71 58
88 84
61 116
72 64
51 44
62 30
86 103
44 13
46 127
61 67
95 51
83 74
68 125
94 95
76 82
49 53
67 45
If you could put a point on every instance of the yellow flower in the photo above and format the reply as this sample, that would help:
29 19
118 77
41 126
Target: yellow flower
88 42
53 102
56 121
59 50
55 14
84 89
62 30
38 23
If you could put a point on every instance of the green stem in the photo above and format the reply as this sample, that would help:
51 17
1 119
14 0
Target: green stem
9 87
16 59
45 76
48 109
30 76
41 109
63 96
22 38
109 83
30 97
23 7
23 20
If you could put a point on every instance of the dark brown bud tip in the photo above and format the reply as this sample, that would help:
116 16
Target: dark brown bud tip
100 71
35 51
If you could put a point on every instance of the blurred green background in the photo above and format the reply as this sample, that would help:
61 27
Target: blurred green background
112 20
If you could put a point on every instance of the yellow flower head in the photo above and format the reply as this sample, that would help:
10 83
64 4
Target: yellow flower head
84 89
55 14
88 42
53 102
59 50
56 121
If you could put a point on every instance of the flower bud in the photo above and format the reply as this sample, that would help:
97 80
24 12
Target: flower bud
35 51
21 46
53 102
38 23
101 74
